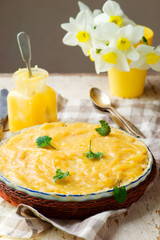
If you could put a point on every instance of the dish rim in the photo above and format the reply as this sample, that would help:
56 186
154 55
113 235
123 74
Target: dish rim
74 197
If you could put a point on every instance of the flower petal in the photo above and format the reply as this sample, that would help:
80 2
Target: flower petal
143 67
72 20
101 18
137 34
122 63
102 66
69 27
140 63
99 44
158 49
85 47
112 8
132 54
145 49
125 32
96 12
84 19
127 21
105 31
70 39
156 66
83 7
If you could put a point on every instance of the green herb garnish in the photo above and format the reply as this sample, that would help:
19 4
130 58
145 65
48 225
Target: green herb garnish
105 129
60 174
120 194
44 142
93 155
144 40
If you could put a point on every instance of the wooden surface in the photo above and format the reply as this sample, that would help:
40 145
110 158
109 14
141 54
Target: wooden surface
141 221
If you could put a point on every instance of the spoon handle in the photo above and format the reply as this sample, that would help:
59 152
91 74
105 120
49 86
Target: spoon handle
25 49
124 123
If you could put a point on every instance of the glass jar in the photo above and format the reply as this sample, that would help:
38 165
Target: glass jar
32 102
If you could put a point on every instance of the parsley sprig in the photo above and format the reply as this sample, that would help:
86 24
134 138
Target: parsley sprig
92 155
44 142
120 194
105 129
60 174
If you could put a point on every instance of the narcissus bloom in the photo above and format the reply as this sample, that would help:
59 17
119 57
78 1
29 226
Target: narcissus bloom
113 13
110 38
149 57
80 29
107 58
123 38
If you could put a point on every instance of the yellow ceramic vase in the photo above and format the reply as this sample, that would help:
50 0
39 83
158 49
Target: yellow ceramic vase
129 84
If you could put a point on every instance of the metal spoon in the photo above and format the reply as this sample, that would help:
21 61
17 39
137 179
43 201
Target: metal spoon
25 49
102 102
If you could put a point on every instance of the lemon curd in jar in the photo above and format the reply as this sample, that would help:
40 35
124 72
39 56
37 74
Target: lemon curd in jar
125 158
32 102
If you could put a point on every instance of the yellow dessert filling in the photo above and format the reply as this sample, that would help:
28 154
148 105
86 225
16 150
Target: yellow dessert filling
32 102
124 158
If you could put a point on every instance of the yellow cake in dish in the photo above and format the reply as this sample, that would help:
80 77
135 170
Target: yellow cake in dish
124 159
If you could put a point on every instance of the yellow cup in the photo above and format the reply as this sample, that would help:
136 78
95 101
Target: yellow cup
129 84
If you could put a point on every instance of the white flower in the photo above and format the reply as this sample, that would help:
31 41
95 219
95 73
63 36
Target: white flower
107 58
79 31
122 38
109 38
113 13
149 57
126 37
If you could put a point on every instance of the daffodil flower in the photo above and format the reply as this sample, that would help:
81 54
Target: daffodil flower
149 57
113 13
109 37
79 31
107 58
123 38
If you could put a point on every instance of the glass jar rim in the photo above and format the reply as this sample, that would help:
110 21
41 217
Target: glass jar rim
18 75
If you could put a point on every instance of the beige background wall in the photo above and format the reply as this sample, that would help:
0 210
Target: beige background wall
41 19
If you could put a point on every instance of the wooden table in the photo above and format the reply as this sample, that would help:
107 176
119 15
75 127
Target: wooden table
140 222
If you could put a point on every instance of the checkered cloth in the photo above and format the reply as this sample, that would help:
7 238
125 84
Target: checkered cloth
26 222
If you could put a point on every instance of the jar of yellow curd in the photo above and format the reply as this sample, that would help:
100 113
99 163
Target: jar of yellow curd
32 102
